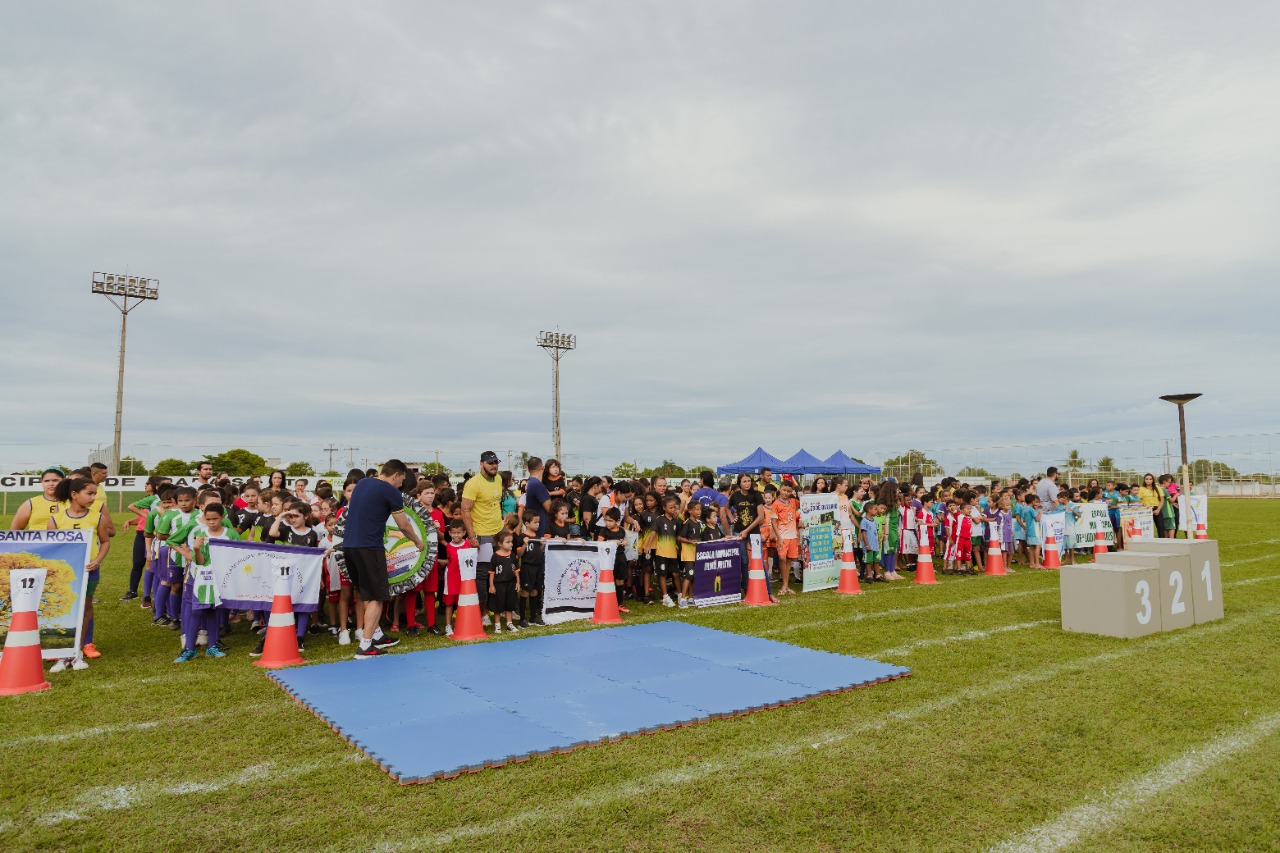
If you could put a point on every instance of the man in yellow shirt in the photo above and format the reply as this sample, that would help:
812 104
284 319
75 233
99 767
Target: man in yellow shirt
98 473
482 516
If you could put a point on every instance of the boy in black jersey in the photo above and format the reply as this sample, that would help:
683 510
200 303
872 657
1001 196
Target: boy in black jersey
613 532
503 577
645 517
690 535
666 549
528 545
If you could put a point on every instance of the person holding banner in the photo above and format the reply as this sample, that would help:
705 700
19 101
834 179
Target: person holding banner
746 508
35 513
198 611
82 512
374 501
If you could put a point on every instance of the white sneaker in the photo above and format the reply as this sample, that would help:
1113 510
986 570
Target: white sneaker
202 638
684 602
359 636
59 665
485 621
344 638
79 663
667 602
448 630
512 629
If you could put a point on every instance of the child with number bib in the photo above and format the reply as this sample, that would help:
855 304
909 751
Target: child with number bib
80 511
200 616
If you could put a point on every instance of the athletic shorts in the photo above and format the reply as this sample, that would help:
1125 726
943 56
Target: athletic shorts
871 556
504 598
686 570
171 573
532 577
368 570
788 549
449 600
94 577
646 561
667 566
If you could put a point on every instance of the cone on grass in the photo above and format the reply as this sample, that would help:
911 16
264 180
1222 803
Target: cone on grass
757 583
924 562
1051 558
995 558
468 624
21 665
1099 545
848 568
1201 531
606 612
280 645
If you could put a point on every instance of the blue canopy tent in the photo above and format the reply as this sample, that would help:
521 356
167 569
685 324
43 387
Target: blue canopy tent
754 462
840 463
805 462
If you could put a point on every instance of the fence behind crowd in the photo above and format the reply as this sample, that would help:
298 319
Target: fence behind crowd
1221 465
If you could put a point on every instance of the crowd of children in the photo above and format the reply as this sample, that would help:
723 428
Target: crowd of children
656 525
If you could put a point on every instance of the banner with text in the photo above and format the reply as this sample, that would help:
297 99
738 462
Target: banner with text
62 554
244 573
1137 522
572 572
1199 514
818 541
717 573
1093 518
1054 524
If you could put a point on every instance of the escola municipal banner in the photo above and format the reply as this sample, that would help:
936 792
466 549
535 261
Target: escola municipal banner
62 554
821 567
243 574
717 573
572 571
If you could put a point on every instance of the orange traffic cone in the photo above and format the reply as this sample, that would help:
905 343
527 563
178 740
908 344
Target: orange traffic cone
1099 545
606 601
757 583
280 647
995 558
848 568
1052 560
924 562
1201 532
467 625
21 666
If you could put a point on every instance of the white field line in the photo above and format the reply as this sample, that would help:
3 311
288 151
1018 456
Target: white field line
902 611
120 797
1109 807
1250 560
101 731
967 636
1248 581
662 781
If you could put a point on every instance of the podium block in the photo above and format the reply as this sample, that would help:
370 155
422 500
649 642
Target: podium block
1117 601
1177 607
1206 571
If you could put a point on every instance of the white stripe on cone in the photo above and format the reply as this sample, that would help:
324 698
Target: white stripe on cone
469 599
608 586
280 620
22 638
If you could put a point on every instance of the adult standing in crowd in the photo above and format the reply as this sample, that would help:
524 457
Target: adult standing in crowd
746 509
711 500
204 475
536 497
1047 489
374 500
482 516
34 514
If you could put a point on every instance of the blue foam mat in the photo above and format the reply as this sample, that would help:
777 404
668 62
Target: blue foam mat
433 714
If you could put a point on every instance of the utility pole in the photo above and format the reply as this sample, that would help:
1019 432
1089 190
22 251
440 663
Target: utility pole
556 345
330 450
125 287
351 459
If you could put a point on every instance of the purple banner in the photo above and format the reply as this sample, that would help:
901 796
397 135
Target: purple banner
717 573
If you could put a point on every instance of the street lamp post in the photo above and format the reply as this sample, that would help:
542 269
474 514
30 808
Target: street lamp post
556 344
124 287
1181 400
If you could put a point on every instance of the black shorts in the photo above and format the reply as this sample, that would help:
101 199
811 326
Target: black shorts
666 566
368 570
686 569
532 577
504 598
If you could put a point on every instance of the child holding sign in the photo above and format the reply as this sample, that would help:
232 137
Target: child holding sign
201 615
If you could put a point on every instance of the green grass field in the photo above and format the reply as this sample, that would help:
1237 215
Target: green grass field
1009 731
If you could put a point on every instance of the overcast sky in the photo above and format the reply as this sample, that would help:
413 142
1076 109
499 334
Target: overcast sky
848 224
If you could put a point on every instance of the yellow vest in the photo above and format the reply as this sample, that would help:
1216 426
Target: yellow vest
42 509
88 521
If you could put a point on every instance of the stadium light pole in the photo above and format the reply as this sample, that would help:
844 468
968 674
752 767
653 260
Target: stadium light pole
1181 400
123 287
556 344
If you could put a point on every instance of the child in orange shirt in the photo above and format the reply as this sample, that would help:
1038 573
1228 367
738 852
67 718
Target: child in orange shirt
786 532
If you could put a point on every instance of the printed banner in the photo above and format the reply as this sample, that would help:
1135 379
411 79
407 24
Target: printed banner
821 567
1137 522
132 483
1199 514
1093 518
717 573
62 554
1054 524
407 566
572 571
244 574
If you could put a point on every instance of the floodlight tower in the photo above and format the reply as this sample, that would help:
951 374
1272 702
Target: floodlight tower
556 344
125 287
1181 400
